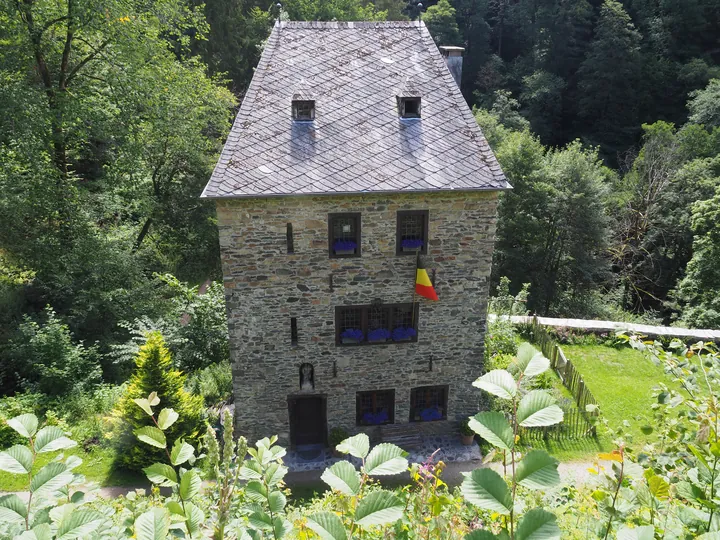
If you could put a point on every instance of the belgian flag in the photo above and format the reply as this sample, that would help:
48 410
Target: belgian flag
423 285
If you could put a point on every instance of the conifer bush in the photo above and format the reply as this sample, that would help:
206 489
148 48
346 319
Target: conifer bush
154 373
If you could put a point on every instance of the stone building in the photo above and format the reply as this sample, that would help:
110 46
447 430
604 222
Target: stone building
353 150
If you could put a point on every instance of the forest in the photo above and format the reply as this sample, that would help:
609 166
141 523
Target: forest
605 116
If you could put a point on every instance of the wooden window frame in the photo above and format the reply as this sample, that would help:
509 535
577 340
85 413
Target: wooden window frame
401 214
445 388
355 216
365 320
390 394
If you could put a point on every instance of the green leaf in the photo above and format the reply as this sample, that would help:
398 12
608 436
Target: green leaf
274 473
343 477
281 527
194 517
72 462
153 525
190 484
16 459
167 418
144 404
256 491
480 534
538 364
79 524
646 532
486 489
25 424
538 524
181 452
153 399
378 508
175 508
51 477
386 459
537 409
538 470
494 428
357 446
52 438
152 436
659 487
525 354
12 508
260 520
162 474
42 531
276 502
327 526
498 382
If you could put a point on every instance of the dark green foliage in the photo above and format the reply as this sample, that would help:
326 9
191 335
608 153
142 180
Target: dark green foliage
214 383
440 20
705 105
155 373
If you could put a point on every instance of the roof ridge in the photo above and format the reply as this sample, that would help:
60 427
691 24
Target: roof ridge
346 25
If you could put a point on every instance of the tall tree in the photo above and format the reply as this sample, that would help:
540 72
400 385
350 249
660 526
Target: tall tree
440 20
609 78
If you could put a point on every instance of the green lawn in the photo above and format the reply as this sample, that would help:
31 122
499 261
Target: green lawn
96 466
622 381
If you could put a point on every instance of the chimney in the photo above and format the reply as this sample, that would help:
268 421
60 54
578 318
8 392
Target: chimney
454 61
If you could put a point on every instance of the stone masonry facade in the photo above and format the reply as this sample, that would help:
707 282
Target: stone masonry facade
265 286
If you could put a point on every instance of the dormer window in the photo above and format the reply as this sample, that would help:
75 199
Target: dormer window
303 110
409 107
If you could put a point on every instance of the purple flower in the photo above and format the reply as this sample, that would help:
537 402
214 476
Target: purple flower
412 243
379 334
352 333
344 245
402 334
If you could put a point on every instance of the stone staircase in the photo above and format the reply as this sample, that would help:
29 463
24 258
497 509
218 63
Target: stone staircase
406 436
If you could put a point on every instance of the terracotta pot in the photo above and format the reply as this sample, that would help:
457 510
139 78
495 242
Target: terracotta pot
467 440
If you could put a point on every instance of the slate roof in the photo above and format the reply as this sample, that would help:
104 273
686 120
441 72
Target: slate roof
357 143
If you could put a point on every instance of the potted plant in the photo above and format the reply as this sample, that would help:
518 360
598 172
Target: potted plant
467 435
403 334
335 437
351 335
379 335
412 244
344 247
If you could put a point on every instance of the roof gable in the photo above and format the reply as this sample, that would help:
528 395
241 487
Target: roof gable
356 143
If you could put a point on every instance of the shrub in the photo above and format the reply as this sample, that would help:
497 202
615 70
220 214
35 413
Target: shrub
13 406
154 372
501 339
214 383
48 359
336 436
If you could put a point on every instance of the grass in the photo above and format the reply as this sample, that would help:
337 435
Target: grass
622 381
97 466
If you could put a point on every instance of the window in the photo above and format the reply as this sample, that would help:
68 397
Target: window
293 331
303 110
375 408
290 239
412 232
409 107
344 235
428 403
375 324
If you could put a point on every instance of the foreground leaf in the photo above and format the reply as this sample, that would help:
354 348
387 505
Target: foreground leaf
144 404
357 446
51 477
480 534
167 418
190 484
378 508
79 524
25 424
538 470
538 524
343 477
386 459
498 382
486 489
494 428
194 517
152 436
646 532
16 459
327 526
538 364
51 439
12 508
181 452
161 474
153 525
538 409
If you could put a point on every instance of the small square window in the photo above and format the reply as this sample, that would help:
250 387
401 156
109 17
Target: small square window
428 403
344 235
303 110
412 232
409 107
375 408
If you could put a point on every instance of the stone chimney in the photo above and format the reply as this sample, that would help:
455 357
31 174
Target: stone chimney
454 60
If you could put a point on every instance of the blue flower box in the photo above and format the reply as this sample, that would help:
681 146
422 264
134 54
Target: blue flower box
379 335
403 334
412 245
344 247
351 335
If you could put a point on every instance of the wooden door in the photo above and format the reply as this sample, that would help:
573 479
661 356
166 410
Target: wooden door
308 422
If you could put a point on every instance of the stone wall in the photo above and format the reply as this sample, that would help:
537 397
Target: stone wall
265 286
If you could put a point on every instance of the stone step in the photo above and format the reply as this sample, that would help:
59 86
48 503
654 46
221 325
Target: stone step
406 436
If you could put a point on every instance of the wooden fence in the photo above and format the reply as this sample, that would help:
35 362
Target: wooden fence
578 423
